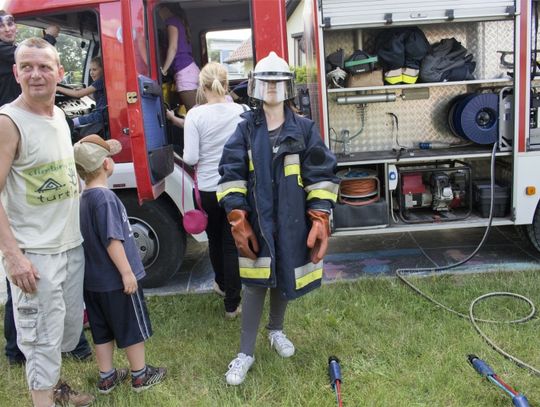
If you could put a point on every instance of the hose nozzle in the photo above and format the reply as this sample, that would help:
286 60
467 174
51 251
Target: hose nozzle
334 370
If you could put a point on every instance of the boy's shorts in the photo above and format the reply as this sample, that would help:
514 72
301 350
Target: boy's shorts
116 316
187 78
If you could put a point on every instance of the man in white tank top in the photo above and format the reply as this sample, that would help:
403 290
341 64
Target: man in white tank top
39 223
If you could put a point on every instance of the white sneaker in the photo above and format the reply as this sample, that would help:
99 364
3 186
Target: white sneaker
238 369
218 290
283 346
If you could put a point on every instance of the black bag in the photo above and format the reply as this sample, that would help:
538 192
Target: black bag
447 60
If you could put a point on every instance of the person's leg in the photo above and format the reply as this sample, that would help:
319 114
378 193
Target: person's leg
188 98
251 318
109 376
104 356
131 331
278 340
214 232
135 356
72 290
187 82
39 319
83 350
231 271
278 306
13 353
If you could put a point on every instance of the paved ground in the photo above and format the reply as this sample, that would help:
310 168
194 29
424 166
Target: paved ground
354 257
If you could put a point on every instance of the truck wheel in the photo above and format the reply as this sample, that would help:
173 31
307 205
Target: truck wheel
532 231
159 235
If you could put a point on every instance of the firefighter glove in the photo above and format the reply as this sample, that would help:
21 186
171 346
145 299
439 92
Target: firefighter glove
317 239
245 239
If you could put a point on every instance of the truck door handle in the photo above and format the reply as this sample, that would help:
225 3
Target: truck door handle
151 89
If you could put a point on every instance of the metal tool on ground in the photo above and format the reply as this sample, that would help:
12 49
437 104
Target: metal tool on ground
518 399
334 371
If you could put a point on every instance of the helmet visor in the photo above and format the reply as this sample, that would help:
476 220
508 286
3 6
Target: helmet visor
271 90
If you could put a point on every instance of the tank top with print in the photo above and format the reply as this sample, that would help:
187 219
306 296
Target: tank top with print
41 195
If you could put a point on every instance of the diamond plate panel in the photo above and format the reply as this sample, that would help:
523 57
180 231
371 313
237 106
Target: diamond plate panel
418 120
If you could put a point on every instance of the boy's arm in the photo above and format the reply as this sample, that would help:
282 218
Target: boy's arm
118 256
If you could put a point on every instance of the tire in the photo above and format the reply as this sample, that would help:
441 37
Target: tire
532 231
159 235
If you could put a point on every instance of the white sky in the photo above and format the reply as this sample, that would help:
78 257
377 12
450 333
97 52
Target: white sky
230 34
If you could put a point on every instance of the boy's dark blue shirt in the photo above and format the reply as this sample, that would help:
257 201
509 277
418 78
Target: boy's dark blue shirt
99 94
104 218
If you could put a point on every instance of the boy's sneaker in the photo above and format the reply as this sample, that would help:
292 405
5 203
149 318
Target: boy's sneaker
152 375
233 314
283 346
64 395
238 369
105 386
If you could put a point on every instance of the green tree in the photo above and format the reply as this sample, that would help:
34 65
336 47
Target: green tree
72 55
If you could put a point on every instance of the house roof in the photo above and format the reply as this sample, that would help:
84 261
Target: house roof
291 5
242 53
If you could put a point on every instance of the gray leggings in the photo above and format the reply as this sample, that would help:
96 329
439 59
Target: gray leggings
252 307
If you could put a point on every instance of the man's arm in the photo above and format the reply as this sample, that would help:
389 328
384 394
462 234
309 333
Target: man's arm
20 270
118 256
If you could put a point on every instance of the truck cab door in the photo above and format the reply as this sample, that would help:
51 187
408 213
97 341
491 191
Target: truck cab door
153 157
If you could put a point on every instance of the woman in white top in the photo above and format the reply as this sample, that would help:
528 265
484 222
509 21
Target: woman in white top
207 127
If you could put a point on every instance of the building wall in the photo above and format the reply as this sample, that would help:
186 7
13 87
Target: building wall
295 25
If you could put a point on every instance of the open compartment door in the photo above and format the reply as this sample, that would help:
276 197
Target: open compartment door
153 157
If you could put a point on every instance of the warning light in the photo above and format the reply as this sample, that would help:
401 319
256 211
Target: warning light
530 190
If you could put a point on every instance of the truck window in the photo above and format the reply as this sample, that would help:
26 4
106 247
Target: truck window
72 52
231 48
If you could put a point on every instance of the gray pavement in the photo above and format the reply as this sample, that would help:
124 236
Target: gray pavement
353 257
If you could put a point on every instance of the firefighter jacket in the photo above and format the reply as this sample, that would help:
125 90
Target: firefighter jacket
276 185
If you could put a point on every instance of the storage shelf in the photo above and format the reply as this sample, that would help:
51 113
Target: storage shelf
416 155
498 82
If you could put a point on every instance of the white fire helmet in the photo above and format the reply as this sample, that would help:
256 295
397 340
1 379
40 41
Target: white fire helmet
269 71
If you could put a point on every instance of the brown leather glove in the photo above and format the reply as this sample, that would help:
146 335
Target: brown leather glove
243 234
317 239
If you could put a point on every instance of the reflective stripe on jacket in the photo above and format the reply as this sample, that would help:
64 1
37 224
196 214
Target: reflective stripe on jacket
277 190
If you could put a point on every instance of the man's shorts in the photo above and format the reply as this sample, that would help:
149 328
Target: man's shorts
116 316
187 78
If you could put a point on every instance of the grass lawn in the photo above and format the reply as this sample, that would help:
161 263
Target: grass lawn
396 349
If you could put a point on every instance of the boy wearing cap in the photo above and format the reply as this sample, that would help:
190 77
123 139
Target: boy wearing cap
114 299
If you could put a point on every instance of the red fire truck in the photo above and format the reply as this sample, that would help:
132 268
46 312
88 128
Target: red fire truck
413 154
130 37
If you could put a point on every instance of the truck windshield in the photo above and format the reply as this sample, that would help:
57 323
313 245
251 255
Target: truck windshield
72 52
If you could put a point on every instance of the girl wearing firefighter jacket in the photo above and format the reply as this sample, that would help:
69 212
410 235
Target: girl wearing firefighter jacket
277 186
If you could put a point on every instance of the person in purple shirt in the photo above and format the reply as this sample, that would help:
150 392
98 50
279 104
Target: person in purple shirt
179 56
